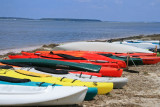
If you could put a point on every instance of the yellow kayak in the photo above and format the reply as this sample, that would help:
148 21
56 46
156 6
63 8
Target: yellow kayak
103 88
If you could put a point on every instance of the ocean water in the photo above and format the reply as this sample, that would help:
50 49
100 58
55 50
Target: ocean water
24 33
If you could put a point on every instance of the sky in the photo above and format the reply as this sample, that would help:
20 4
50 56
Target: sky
105 10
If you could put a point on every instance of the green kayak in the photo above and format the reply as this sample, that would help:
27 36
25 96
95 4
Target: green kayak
131 61
53 64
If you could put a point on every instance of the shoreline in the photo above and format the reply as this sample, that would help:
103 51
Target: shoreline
142 37
18 50
50 46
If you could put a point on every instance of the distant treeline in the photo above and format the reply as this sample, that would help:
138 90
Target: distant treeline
68 19
17 18
54 19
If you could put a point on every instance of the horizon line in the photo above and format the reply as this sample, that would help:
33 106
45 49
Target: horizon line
76 18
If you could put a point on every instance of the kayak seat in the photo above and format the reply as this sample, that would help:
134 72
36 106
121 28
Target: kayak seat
5 67
107 55
70 57
13 80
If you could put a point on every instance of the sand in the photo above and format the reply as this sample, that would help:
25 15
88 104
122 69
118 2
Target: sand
3 52
142 90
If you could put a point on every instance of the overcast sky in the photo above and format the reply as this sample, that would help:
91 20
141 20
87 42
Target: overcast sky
106 10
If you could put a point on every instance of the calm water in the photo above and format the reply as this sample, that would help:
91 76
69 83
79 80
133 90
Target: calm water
23 33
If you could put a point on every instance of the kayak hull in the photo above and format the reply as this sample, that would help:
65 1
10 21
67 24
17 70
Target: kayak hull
40 96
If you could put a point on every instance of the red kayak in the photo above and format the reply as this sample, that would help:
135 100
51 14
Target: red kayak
55 57
114 53
130 54
148 58
87 56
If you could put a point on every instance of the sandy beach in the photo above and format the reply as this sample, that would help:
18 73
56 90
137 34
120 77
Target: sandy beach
142 90
3 52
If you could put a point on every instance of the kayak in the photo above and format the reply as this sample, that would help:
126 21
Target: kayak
14 95
25 82
103 88
148 41
105 71
148 59
131 61
137 59
138 44
53 63
91 57
82 52
52 71
54 57
91 92
55 71
88 56
130 54
100 46
118 82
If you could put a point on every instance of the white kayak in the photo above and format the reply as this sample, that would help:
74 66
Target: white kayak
100 46
138 45
149 41
118 82
15 95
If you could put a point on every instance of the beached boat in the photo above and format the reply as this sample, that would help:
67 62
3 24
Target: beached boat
138 44
129 54
103 88
100 46
137 59
131 61
82 52
146 41
14 95
118 82
56 71
91 92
